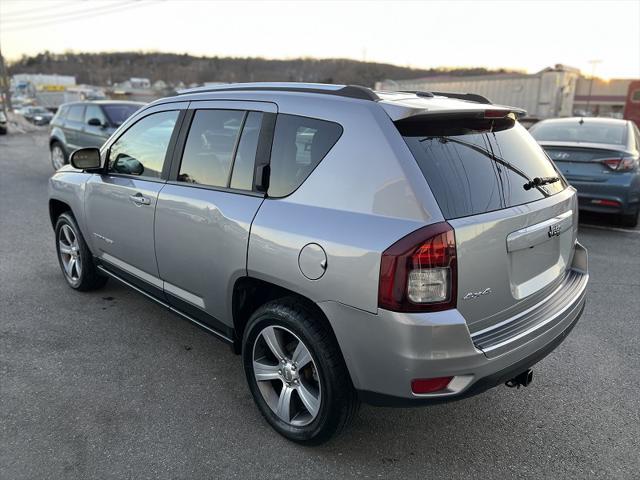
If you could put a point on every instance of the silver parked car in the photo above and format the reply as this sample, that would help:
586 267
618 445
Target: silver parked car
351 245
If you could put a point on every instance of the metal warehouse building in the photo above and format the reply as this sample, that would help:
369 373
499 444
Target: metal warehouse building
558 91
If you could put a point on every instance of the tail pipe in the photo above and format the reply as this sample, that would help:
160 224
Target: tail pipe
523 379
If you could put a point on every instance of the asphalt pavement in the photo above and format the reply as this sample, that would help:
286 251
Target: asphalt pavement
109 385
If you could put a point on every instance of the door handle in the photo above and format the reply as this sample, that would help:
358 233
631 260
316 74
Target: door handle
138 199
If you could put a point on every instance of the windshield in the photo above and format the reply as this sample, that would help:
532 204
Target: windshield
580 131
117 113
471 171
39 110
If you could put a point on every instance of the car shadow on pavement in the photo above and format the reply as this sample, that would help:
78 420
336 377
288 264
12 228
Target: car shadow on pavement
602 220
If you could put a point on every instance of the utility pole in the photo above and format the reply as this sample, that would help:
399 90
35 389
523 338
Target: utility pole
593 74
4 86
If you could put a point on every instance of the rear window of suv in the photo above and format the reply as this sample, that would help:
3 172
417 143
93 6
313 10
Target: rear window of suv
472 167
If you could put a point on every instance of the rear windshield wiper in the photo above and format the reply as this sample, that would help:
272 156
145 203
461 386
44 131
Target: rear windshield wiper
531 183
539 181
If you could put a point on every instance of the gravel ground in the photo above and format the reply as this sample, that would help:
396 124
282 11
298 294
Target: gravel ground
110 385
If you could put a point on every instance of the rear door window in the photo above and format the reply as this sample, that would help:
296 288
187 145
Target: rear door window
244 163
299 144
211 144
473 170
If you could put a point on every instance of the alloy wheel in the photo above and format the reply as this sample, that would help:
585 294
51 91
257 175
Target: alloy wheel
69 251
57 157
287 376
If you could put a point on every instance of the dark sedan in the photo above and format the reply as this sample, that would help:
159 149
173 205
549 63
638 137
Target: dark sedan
37 115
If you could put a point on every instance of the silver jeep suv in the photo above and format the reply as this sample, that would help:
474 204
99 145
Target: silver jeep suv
396 248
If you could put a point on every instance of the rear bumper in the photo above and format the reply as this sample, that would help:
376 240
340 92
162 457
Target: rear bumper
481 385
384 352
621 188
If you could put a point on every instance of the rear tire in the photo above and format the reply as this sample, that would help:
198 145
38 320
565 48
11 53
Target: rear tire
58 156
319 400
75 258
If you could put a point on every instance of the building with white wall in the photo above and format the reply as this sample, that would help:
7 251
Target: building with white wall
558 91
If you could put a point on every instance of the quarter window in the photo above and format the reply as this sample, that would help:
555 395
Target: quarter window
299 144
210 147
76 113
141 150
62 112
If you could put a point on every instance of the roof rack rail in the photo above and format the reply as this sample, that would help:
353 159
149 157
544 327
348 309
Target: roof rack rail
349 91
419 93
471 97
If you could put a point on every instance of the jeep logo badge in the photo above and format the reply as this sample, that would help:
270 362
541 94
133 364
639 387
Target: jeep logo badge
554 231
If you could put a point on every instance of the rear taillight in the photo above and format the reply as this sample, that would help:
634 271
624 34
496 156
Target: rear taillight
419 272
625 164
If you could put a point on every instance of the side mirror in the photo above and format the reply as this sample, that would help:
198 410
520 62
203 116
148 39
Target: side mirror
95 122
85 158
127 165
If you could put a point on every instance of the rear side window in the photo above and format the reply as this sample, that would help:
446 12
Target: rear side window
243 165
210 147
61 114
76 113
473 171
299 144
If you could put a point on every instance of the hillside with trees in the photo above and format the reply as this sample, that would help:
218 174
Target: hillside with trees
109 68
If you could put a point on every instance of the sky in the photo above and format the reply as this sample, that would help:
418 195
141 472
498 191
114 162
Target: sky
522 35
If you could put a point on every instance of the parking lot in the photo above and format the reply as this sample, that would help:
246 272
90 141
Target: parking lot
110 385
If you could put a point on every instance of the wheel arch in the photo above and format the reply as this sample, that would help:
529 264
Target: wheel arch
57 208
250 293
57 136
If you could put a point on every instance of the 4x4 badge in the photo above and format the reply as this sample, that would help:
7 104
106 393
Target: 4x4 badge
471 295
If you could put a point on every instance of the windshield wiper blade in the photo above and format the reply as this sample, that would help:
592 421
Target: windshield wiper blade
539 181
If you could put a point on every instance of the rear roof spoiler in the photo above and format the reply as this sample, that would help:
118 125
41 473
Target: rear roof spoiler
470 97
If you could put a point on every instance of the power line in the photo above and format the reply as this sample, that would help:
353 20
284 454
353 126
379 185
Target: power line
80 16
64 15
84 8
22 13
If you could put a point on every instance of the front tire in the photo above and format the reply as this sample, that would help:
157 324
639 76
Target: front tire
75 258
58 156
296 372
